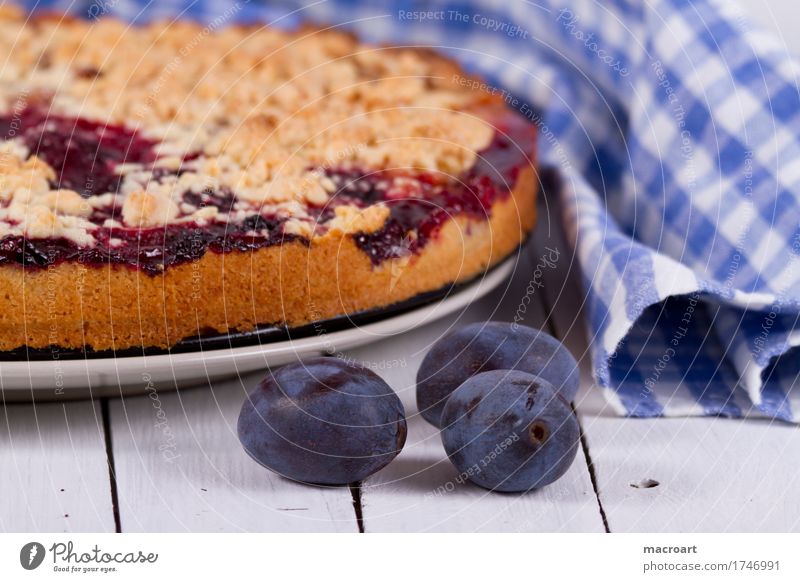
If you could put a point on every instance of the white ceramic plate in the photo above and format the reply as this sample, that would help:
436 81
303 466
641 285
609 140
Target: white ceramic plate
54 379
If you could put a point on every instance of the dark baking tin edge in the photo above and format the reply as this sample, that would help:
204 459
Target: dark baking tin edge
260 336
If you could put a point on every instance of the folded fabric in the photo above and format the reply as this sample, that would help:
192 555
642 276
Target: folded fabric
675 126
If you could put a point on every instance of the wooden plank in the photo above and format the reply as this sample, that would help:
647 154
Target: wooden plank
420 490
55 476
712 474
180 467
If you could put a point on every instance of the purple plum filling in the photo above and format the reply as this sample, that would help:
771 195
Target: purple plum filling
85 156
83 153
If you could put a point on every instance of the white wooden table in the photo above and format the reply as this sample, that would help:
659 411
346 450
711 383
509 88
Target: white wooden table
174 463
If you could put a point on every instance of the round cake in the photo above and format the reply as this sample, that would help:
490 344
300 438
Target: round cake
172 180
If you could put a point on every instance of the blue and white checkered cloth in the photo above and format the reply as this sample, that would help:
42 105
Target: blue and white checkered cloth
675 125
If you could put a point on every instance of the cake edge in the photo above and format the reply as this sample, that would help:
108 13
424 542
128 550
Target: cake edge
113 307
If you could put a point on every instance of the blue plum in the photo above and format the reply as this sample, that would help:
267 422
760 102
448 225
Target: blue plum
509 431
323 421
481 347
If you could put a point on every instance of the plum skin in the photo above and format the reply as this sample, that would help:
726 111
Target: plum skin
485 346
323 421
509 431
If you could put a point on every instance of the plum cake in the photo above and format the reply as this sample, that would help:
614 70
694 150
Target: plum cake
170 180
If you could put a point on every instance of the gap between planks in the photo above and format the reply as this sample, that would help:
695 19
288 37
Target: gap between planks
112 472
551 235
